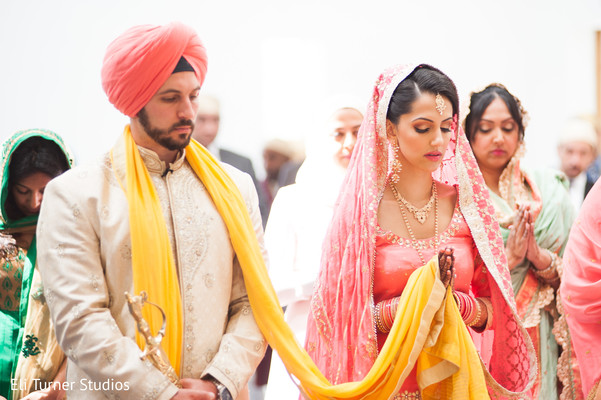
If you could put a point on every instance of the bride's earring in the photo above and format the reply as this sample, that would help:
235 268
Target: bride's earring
395 166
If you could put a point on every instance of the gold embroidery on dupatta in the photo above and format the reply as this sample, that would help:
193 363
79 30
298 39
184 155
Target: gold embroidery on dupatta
381 173
543 296
407 396
568 369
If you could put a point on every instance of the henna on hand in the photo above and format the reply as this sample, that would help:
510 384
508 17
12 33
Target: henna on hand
446 263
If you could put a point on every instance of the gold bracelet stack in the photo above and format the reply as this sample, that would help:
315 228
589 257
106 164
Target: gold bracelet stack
476 321
549 274
471 310
378 318
385 313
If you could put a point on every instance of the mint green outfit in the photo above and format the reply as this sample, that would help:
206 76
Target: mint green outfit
551 230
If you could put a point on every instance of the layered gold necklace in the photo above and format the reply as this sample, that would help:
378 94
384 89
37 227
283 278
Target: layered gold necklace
420 214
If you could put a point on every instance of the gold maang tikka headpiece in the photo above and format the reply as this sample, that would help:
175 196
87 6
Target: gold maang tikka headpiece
440 105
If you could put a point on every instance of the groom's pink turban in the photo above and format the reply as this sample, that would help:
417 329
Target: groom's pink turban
139 62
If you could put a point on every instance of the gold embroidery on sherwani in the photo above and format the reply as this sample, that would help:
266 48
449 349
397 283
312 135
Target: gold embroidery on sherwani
198 234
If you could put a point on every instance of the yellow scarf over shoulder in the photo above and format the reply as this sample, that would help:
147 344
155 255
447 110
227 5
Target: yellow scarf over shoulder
448 365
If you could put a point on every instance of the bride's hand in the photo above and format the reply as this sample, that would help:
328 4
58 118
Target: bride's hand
446 263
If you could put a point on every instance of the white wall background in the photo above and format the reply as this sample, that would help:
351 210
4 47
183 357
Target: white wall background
271 62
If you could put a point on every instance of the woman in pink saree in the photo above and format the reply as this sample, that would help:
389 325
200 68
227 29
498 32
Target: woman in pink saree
581 291
413 188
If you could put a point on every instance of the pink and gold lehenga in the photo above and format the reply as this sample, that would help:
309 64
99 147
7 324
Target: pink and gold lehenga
391 275
362 265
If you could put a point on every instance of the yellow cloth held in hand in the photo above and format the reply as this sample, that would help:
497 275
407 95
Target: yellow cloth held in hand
451 368
427 329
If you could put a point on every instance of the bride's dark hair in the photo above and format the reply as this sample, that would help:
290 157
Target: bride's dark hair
424 78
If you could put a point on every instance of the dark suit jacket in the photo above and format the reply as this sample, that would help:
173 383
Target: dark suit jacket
236 160
244 164
588 186
592 174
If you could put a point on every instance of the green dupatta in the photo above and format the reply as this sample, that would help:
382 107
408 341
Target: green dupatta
8 148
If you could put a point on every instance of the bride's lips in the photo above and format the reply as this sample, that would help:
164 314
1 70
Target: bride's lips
433 156
498 152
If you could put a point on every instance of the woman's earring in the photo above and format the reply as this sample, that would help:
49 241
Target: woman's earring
395 166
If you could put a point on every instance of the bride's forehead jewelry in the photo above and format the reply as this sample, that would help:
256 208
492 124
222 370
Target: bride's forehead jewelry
440 105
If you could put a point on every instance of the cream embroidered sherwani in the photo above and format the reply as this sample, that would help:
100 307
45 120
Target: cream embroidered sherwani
84 256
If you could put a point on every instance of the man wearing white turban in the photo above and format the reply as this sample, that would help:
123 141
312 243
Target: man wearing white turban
577 150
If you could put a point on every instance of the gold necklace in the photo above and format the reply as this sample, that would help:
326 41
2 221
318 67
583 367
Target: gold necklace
414 242
420 214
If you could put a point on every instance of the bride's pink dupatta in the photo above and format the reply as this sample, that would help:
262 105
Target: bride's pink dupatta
580 288
341 335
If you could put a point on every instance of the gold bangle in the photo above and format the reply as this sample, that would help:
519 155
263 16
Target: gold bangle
549 273
389 315
476 321
378 318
